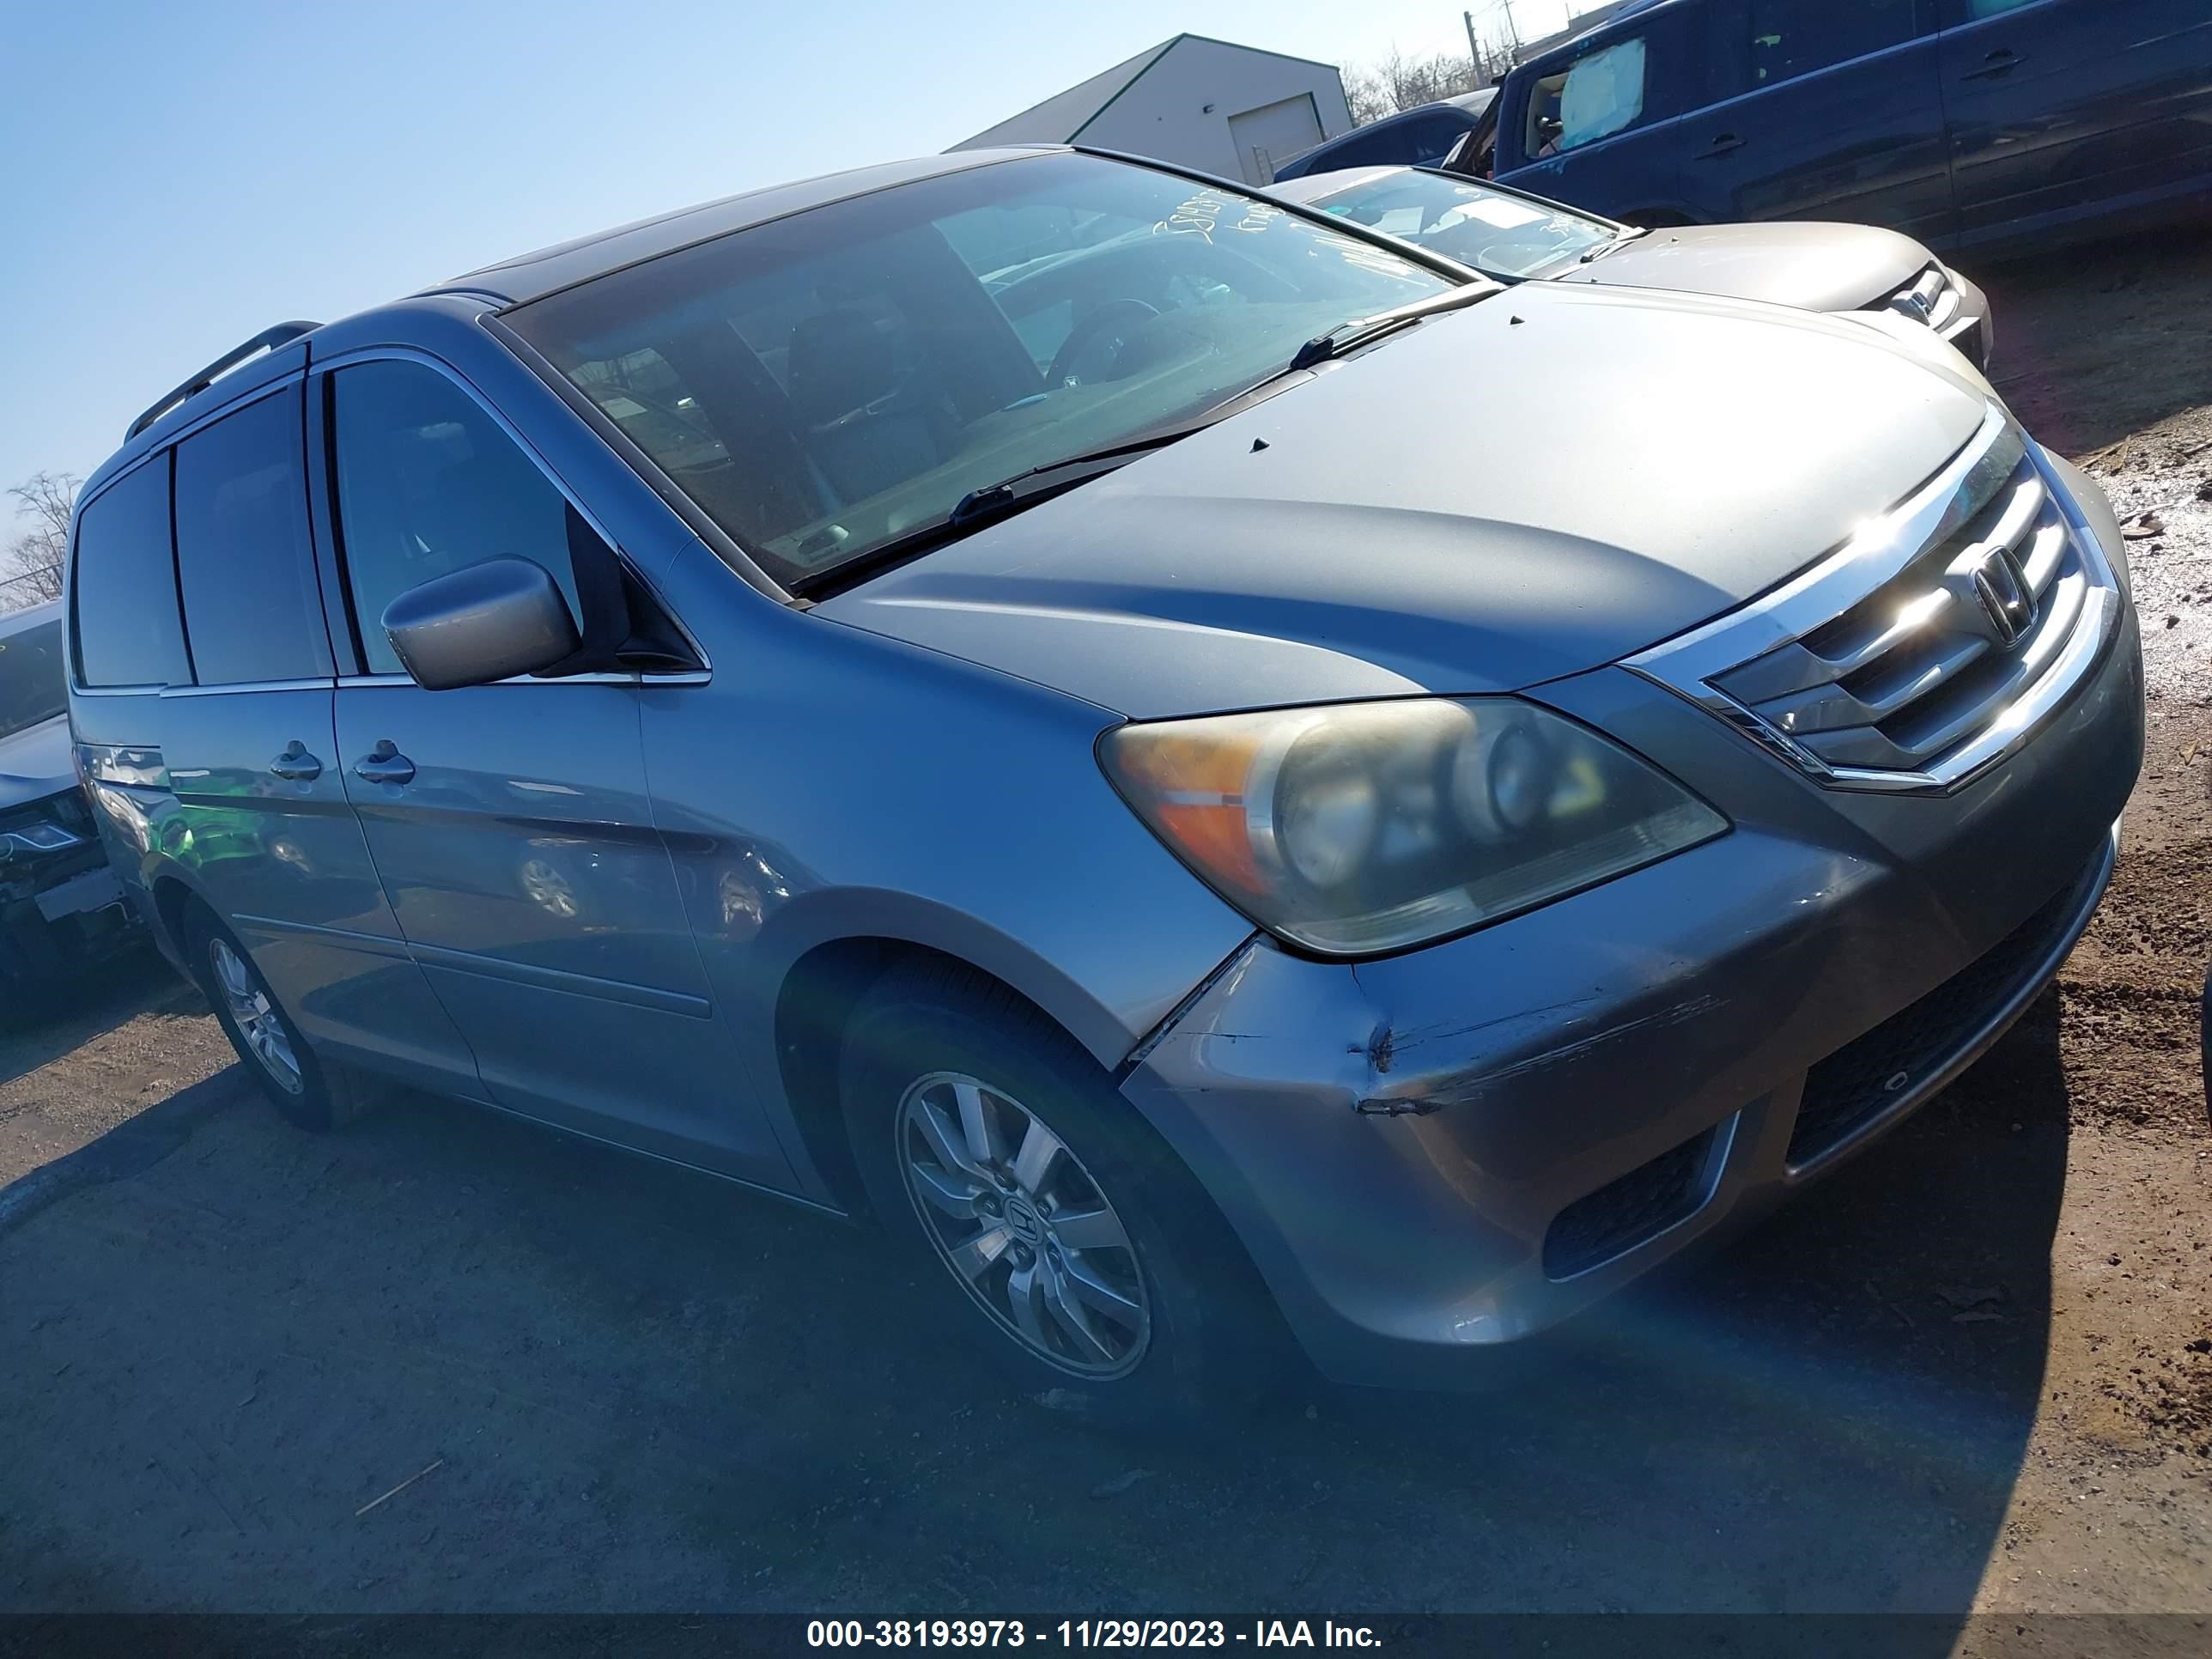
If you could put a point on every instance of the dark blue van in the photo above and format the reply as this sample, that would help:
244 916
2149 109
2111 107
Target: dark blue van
1961 122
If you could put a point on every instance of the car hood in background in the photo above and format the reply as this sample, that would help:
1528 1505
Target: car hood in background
36 762
1542 485
1819 267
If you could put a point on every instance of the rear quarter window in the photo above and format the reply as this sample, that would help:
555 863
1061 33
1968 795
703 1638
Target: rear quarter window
123 585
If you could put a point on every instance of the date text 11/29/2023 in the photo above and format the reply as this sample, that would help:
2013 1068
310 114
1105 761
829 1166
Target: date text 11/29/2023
1086 1633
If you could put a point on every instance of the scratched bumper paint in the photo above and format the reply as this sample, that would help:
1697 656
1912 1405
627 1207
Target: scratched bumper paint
1393 1140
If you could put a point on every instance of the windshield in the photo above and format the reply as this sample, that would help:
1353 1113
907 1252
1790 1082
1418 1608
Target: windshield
31 688
1499 233
823 384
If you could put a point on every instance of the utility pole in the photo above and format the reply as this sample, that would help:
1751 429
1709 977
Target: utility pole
1512 28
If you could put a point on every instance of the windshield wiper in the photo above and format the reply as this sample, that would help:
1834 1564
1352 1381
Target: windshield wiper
1357 332
1002 500
991 500
1617 242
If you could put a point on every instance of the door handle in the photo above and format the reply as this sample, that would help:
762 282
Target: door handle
384 764
2003 61
295 764
1725 144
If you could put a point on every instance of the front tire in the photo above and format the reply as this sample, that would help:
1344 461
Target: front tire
267 1041
1052 1222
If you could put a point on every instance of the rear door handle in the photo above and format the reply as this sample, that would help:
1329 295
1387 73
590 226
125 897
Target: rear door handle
384 764
295 764
1725 144
2002 61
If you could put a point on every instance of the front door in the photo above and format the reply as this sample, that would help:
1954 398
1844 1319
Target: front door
263 821
511 824
1836 115
2058 108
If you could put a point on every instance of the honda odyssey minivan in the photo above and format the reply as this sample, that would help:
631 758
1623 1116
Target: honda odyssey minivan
1221 780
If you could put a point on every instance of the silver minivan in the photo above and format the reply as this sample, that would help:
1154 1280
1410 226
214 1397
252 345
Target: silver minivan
1224 780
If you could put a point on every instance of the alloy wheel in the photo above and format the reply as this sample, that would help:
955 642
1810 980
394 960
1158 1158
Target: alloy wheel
267 1038
1023 1226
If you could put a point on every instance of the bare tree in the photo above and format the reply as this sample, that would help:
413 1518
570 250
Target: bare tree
31 563
1366 96
1399 83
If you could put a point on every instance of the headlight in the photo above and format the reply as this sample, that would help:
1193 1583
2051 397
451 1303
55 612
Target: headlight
1361 828
37 838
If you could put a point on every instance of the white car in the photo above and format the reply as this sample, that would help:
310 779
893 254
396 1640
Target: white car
1516 237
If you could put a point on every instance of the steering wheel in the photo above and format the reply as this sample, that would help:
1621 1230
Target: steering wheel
1109 326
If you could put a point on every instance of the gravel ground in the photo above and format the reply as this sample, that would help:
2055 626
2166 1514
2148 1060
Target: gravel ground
1971 1373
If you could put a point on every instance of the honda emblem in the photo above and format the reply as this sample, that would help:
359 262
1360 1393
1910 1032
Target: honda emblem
2007 602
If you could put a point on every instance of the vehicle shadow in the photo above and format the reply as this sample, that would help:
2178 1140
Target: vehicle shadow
2099 341
97 1000
1828 1416
638 1387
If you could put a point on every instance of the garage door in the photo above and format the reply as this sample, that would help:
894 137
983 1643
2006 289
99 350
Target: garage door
1272 133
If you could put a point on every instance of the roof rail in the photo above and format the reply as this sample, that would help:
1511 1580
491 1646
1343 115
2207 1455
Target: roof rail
268 340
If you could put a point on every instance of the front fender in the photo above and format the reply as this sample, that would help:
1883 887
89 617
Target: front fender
832 916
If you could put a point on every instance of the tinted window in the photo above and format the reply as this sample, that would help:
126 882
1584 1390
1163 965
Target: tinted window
427 482
125 586
1430 138
1790 38
1378 146
31 689
252 609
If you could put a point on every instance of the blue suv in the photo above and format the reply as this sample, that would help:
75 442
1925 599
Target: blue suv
1962 123
1418 137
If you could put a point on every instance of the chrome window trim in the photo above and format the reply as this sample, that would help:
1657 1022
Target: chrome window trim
318 682
679 677
1879 553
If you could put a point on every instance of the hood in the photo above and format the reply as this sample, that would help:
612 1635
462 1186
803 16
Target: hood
1543 483
36 762
1818 267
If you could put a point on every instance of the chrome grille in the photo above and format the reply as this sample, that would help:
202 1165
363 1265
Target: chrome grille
1932 298
1927 647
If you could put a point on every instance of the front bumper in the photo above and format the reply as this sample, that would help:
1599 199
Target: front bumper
1436 1153
67 914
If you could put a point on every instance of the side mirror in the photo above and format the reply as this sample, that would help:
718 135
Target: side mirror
502 618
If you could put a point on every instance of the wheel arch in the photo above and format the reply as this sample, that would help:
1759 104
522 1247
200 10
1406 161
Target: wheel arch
821 953
816 1001
173 894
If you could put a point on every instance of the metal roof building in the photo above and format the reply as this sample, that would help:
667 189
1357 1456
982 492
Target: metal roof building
1195 101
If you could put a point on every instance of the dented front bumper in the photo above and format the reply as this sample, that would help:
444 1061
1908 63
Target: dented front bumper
1445 1151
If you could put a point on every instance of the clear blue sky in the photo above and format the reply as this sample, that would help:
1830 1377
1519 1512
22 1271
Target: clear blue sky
182 176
